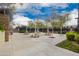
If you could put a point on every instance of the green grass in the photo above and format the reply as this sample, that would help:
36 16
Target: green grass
70 45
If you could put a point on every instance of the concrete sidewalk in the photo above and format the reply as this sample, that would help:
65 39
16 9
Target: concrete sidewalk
24 45
42 46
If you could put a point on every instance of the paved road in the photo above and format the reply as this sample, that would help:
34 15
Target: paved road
23 45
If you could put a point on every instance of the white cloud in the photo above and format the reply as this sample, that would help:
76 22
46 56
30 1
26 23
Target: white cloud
73 15
44 4
34 8
16 5
75 11
35 11
28 6
21 20
62 5
23 6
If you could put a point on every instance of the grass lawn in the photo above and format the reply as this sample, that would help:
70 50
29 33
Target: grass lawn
70 45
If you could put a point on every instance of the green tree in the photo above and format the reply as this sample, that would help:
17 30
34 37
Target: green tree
52 18
47 22
31 25
62 20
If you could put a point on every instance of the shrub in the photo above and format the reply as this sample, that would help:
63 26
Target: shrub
71 36
22 31
1 28
77 39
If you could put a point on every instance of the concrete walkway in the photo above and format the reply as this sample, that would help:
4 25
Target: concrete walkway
24 45
42 46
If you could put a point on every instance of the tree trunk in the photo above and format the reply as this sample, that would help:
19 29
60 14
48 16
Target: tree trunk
38 30
30 30
61 30
35 30
26 29
47 31
52 30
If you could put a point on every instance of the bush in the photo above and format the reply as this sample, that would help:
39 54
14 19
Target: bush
72 36
22 31
1 28
77 39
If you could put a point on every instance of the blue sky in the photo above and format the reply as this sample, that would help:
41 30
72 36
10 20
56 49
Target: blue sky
32 10
29 12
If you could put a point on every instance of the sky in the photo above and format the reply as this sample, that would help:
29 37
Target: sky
30 11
